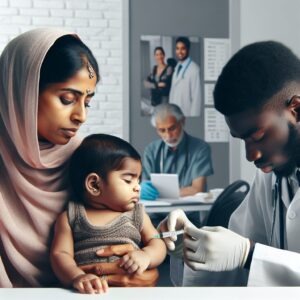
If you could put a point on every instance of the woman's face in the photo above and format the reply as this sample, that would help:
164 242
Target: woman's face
159 56
63 107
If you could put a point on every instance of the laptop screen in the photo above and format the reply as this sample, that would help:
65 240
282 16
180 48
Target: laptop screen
166 184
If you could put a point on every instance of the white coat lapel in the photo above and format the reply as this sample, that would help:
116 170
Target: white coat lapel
285 192
176 78
293 223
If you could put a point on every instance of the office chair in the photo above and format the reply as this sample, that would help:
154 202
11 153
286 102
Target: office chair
226 204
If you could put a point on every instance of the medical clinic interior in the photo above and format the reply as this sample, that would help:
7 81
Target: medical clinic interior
149 148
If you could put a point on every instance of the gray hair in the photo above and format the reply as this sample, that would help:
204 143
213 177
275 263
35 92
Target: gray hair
165 110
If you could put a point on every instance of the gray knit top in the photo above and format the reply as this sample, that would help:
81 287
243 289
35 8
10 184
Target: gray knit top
125 229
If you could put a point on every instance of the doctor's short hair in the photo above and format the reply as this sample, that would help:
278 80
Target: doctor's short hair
165 110
101 154
184 40
253 75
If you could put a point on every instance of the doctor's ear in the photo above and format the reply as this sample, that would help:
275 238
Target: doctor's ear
293 104
92 184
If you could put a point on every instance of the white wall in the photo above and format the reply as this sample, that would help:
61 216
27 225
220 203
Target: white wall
99 24
268 20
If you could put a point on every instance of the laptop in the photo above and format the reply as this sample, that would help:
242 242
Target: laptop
166 184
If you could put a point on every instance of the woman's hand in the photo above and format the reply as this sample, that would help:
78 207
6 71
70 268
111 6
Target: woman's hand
135 261
90 284
117 276
161 84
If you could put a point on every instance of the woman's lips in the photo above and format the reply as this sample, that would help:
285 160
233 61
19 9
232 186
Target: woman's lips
69 132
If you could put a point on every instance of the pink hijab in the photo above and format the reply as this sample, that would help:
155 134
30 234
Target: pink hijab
33 185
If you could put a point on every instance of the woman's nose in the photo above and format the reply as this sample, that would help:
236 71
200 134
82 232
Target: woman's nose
79 113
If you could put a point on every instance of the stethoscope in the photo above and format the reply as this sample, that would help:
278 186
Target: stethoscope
278 206
162 156
185 68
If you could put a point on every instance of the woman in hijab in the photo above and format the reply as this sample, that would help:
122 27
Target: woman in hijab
47 79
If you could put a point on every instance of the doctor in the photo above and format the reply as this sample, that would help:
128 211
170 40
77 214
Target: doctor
176 152
258 92
185 88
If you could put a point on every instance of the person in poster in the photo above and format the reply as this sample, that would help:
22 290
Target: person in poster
159 80
185 88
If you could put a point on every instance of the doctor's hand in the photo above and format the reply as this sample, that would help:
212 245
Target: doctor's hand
148 191
214 249
176 220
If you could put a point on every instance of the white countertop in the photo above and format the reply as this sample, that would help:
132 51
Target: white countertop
158 293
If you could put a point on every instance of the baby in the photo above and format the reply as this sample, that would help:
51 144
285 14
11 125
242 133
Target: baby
105 175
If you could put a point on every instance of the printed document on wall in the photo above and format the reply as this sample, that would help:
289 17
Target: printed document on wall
216 55
208 93
216 130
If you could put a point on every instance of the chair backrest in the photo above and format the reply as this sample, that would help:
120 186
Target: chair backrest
226 204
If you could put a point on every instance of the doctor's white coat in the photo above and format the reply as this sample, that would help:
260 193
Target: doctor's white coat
185 89
253 219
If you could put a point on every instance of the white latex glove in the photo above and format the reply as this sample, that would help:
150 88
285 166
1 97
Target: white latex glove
176 220
214 249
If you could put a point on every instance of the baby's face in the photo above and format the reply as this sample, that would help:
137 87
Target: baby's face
121 192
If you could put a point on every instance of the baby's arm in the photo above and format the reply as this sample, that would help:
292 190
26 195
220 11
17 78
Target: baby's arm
64 265
149 256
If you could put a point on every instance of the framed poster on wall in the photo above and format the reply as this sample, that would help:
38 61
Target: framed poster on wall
170 73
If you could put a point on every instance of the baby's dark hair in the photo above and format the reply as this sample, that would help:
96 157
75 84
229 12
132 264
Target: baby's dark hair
66 56
253 75
101 154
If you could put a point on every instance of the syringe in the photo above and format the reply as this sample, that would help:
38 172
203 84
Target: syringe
167 234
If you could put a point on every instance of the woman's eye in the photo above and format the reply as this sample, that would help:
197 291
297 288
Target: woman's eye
87 105
127 180
66 102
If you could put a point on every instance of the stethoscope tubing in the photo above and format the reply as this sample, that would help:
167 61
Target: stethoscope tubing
186 67
278 205
162 156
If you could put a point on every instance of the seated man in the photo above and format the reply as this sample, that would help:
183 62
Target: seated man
176 152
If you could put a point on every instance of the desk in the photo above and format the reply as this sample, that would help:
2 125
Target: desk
166 206
172 293
198 202
160 207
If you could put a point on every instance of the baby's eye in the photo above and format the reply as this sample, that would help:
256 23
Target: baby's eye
127 180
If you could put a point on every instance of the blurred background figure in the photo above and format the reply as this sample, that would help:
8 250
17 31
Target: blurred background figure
177 152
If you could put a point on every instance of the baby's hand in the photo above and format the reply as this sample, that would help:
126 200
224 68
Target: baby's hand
90 284
135 261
